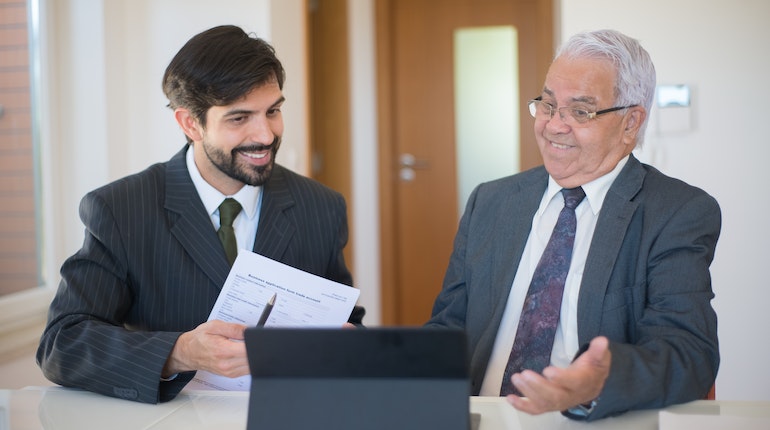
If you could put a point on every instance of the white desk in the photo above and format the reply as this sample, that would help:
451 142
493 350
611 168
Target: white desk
59 408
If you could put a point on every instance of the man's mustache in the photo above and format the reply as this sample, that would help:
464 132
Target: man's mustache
258 146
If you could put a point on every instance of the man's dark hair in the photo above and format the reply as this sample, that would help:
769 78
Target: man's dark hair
218 67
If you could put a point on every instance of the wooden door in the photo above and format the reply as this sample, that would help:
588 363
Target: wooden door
416 126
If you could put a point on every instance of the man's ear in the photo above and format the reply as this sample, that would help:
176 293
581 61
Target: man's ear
190 126
634 121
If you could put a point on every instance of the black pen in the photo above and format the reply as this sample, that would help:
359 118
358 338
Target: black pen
266 311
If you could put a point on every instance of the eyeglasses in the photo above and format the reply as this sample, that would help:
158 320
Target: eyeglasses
544 111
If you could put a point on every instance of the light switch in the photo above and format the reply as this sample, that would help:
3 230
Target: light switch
674 110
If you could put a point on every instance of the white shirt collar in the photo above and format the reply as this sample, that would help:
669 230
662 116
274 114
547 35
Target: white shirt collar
248 196
595 190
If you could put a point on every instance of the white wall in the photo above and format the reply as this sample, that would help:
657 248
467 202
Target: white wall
109 58
717 47
365 215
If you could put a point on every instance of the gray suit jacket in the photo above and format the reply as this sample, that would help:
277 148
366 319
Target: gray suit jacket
646 283
151 267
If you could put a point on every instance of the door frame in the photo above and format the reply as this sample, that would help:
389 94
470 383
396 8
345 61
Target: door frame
329 97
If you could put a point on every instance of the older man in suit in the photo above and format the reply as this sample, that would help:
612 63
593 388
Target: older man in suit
634 326
129 318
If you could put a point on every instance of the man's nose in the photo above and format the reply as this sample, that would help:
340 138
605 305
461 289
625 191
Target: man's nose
260 132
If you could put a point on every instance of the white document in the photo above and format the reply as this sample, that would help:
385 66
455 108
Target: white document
678 421
302 300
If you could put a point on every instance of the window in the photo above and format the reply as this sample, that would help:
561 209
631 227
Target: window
19 250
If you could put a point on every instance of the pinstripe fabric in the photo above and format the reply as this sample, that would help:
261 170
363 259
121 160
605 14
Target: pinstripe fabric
151 267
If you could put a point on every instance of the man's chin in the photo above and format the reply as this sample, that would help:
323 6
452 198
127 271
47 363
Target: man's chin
261 175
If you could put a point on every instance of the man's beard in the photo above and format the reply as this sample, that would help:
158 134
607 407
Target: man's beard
250 175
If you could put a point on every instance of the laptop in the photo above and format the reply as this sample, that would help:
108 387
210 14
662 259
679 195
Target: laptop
363 379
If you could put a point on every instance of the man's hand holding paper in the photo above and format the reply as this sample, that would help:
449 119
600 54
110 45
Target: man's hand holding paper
302 300
210 347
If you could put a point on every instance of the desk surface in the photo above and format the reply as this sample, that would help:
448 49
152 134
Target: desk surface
60 408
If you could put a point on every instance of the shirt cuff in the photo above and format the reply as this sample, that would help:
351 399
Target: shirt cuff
580 412
170 378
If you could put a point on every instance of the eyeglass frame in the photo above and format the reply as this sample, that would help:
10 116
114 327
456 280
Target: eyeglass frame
553 110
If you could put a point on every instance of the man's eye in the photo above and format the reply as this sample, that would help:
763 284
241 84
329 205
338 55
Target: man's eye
545 108
580 113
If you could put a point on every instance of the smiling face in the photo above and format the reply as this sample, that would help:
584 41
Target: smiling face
240 140
575 154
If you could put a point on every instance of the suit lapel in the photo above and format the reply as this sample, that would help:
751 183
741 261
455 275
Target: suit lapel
616 214
275 228
511 222
519 209
190 224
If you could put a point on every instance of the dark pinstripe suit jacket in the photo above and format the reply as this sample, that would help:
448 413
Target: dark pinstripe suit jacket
646 282
151 266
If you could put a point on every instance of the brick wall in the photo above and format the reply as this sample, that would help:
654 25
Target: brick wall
18 242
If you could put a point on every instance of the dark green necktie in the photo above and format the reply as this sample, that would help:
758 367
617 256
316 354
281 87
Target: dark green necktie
228 210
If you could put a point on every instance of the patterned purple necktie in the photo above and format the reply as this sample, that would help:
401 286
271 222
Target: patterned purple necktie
540 314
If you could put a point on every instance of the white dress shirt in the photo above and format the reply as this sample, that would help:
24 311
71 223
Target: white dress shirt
250 198
566 341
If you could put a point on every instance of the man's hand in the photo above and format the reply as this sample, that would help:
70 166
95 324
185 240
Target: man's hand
559 389
214 346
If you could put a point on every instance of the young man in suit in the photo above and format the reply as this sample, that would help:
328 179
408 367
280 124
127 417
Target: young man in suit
129 317
635 294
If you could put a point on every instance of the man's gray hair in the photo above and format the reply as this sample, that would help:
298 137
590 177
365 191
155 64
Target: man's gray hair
635 83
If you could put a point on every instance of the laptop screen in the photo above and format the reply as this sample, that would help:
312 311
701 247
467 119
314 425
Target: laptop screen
372 378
